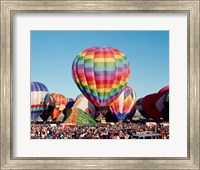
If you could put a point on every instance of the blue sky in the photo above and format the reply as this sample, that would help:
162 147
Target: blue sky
52 54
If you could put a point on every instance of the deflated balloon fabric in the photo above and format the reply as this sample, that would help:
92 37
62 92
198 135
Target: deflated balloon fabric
79 117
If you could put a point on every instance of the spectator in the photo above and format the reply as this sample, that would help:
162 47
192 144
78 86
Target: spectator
119 130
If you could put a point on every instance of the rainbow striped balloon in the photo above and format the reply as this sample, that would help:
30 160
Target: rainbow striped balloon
123 107
101 73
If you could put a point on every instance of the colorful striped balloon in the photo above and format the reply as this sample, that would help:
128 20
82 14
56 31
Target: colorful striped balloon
79 117
101 73
59 101
123 107
38 92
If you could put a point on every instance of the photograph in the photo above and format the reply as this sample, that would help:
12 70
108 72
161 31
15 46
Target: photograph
99 84
102 72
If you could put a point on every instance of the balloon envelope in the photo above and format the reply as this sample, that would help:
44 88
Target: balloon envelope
164 89
49 107
60 102
70 104
148 104
70 99
38 92
79 96
140 108
101 73
84 104
123 107
163 105
79 117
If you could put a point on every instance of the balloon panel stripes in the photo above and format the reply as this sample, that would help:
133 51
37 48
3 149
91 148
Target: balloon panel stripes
38 92
101 73
124 104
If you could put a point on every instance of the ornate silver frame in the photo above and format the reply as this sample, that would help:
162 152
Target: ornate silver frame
10 8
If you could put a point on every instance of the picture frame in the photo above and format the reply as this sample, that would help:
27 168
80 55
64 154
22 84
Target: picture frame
10 8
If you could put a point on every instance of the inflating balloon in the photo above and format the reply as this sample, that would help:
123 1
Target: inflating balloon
164 89
101 73
79 96
123 107
139 107
148 104
49 103
38 92
70 104
60 102
70 99
79 117
163 105
84 104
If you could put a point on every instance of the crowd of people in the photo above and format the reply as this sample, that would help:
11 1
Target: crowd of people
119 130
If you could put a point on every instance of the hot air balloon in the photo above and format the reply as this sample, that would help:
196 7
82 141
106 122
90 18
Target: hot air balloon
84 104
101 73
38 92
79 117
163 105
123 107
69 105
59 101
139 107
79 96
70 99
148 104
49 103
164 89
